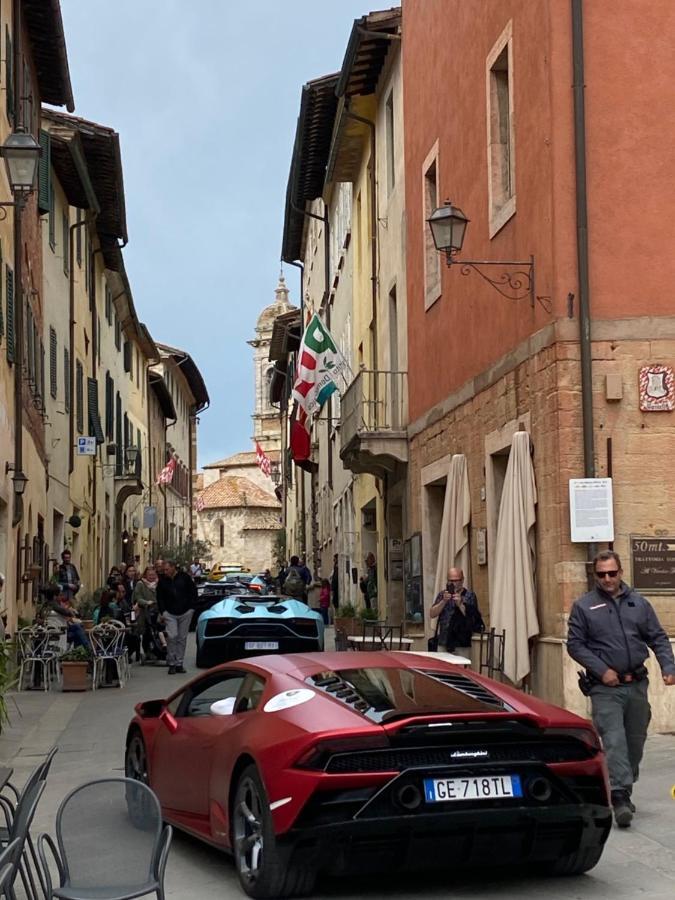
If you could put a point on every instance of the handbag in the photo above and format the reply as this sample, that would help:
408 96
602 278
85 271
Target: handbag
432 643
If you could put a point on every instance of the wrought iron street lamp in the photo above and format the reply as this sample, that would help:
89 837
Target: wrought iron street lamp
448 227
131 456
21 153
20 481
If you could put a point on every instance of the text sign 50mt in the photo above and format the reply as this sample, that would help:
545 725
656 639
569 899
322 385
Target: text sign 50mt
653 563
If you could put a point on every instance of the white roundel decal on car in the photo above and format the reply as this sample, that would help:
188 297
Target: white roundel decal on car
287 699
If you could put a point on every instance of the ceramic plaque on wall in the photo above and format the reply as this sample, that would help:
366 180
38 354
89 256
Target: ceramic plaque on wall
657 388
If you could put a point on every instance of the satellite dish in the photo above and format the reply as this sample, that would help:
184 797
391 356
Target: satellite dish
74 521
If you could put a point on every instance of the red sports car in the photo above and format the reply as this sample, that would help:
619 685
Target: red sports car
345 762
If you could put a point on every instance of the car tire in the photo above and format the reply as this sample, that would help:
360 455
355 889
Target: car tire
576 863
265 869
140 809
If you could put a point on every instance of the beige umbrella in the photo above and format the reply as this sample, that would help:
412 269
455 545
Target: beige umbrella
512 601
453 546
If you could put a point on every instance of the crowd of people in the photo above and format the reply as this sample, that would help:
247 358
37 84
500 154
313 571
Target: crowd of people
154 605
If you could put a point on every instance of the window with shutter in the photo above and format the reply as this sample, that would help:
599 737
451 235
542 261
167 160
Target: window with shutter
127 356
78 239
2 316
44 172
118 333
65 242
79 397
9 75
66 379
30 353
108 305
94 419
9 281
109 407
119 455
42 374
53 384
52 219
126 431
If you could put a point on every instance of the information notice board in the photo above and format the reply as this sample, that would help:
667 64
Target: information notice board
653 563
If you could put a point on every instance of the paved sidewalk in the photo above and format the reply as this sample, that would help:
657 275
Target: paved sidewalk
90 729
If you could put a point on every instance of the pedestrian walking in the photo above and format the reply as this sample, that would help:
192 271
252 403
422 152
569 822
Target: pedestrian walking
324 600
176 600
458 614
611 629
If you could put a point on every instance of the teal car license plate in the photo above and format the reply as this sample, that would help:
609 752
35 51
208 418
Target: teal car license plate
484 787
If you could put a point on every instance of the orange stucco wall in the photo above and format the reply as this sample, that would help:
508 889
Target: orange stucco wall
630 69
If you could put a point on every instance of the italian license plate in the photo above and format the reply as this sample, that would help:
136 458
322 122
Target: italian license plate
261 645
486 787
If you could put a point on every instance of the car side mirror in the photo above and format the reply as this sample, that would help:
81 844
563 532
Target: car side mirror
168 720
151 709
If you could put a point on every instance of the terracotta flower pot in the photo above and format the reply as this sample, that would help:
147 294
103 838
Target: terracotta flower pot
75 677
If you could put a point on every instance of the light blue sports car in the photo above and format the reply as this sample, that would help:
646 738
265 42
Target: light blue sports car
253 624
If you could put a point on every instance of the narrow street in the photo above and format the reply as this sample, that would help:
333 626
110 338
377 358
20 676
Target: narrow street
90 728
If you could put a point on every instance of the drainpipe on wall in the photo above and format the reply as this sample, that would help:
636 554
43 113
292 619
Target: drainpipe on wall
18 278
300 266
582 250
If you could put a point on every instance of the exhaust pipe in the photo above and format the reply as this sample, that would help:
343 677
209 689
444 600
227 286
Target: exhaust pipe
540 789
409 797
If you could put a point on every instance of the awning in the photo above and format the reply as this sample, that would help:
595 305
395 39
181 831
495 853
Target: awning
453 547
513 607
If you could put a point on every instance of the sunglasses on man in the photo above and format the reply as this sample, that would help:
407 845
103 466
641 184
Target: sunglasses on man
611 574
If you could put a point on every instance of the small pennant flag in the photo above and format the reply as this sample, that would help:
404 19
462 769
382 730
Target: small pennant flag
199 502
263 460
166 475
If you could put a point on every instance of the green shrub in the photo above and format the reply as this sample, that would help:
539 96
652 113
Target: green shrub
347 611
77 654
368 615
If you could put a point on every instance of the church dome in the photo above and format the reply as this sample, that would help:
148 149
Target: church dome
281 305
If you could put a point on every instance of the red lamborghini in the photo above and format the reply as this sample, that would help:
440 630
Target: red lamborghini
341 762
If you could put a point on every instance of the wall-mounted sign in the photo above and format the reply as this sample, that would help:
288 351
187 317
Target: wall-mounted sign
657 388
395 559
653 563
481 546
86 446
591 510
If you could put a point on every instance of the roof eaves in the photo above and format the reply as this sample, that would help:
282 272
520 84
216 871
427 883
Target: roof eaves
191 372
163 395
44 25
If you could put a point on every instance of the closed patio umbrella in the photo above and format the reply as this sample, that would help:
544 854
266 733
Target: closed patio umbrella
512 601
453 546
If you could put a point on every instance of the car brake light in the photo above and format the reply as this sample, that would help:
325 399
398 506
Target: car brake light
587 736
316 756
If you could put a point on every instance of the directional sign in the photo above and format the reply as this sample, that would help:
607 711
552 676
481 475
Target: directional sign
653 560
86 446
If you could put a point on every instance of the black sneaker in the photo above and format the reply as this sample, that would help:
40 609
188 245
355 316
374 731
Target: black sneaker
172 670
623 814
180 670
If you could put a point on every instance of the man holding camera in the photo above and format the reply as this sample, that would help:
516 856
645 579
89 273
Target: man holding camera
458 613
609 633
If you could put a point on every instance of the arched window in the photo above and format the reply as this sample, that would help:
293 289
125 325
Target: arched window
268 384
221 533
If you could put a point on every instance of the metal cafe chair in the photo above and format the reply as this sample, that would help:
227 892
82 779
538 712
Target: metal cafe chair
491 660
38 656
378 635
110 843
107 645
8 868
17 836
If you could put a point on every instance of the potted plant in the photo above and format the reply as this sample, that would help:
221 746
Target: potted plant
368 615
86 606
75 669
345 619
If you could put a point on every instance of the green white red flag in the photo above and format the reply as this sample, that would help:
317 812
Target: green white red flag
320 367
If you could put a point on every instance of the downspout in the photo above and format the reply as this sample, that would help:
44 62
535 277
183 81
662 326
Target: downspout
71 339
582 247
18 279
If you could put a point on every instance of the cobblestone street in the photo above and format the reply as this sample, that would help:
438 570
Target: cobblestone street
90 729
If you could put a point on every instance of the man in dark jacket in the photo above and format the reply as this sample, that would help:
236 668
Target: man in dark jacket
69 577
610 631
176 600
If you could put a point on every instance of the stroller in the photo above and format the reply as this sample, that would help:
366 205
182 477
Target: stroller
154 641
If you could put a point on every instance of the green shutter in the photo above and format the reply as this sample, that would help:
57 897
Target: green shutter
66 379
45 173
9 71
79 396
53 377
94 418
10 314
2 315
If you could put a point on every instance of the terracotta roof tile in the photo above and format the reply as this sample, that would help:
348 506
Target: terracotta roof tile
235 490
241 459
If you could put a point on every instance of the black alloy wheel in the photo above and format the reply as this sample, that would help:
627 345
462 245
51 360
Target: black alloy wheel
136 760
265 870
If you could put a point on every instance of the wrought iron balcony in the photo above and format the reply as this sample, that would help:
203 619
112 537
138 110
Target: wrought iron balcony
373 422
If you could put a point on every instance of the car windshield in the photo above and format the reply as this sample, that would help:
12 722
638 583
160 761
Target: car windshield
385 694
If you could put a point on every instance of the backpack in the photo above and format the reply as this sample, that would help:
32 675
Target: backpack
294 584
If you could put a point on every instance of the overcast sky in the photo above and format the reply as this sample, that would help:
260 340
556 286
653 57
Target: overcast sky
205 96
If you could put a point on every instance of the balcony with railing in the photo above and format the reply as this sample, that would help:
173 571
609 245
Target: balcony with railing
373 422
